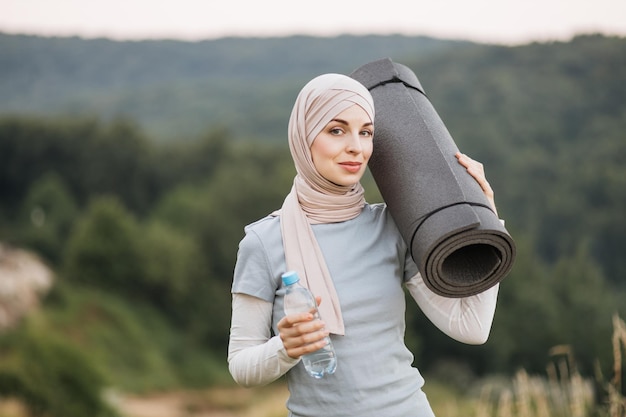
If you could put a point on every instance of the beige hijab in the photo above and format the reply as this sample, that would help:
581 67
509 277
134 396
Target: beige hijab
313 199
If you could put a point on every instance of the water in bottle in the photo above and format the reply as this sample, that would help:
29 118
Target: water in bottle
299 299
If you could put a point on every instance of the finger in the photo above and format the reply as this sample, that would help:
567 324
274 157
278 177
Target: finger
482 182
464 160
296 352
309 327
461 158
289 329
305 338
292 320
307 343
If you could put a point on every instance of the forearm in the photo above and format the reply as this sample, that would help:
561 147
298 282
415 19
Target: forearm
467 319
254 357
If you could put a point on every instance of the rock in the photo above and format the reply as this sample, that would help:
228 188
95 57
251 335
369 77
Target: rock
24 279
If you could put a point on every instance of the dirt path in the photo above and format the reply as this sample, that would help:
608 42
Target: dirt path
217 402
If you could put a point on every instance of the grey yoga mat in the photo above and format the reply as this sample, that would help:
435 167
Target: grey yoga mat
458 243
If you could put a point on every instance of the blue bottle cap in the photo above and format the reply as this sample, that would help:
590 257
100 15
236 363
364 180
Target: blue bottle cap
290 277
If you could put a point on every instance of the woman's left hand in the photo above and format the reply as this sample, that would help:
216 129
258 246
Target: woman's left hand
477 171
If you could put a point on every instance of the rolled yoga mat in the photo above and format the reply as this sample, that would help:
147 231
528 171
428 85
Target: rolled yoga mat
458 243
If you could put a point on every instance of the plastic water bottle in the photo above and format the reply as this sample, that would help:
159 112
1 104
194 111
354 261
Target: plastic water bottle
299 299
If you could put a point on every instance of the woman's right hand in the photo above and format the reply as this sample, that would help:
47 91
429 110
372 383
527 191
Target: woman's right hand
301 334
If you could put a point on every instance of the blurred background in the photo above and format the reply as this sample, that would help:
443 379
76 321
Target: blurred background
138 138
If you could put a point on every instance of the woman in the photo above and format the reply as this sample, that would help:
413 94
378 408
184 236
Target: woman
352 257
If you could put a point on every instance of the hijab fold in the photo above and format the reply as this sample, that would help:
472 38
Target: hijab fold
313 199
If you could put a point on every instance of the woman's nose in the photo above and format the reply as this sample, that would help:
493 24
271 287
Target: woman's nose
354 143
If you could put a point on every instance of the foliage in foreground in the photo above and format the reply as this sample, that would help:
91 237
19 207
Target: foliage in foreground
563 392
51 377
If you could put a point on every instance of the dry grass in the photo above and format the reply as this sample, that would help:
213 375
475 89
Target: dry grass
564 392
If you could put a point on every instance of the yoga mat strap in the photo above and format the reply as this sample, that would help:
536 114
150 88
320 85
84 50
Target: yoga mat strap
385 71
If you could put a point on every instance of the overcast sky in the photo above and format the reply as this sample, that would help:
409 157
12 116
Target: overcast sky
494 21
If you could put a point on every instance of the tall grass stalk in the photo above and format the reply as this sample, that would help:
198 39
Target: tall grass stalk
617 401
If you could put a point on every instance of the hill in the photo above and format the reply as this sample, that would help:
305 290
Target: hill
178 89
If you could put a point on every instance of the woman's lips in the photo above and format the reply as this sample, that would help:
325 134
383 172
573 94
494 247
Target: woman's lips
352 167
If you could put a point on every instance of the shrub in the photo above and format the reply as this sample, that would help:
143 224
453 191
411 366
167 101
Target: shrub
52 377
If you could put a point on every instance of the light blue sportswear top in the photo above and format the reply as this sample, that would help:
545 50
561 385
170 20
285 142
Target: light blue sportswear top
368 261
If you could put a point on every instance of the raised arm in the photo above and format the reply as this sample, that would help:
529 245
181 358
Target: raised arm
467 319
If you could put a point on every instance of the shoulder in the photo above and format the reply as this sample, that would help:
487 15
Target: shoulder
263 232
379 213
259 259
264 225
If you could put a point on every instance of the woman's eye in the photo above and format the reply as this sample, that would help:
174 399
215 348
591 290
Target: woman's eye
336 131
367 133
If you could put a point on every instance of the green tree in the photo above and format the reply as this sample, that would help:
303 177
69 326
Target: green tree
48 212
33 147
115 160
104 249
190 161
90 157
172 262
586 304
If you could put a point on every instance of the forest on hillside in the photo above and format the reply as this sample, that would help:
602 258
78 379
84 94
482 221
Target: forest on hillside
142 232
180 89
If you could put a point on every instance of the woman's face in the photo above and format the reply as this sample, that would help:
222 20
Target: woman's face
342 149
